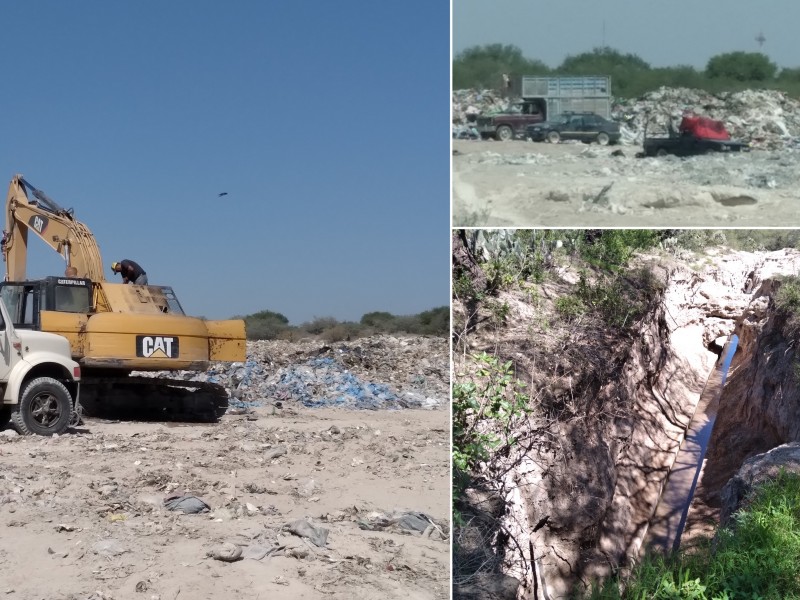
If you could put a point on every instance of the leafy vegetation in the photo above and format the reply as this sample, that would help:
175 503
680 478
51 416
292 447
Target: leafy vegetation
614 247
483 66
742 66
631 76
269 325
787 301
485 408
755 558
619 295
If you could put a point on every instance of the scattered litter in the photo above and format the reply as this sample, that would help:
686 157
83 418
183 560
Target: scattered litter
259 551
189 505
226 552
301 528
409 521
275 452
306 488
109 548
256 488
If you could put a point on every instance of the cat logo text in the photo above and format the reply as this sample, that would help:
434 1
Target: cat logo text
156 346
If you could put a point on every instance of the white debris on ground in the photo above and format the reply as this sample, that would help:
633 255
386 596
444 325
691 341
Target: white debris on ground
765 118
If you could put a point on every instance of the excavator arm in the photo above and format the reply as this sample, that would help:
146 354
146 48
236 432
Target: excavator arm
56 226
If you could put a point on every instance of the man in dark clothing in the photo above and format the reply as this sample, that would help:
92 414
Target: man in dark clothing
131 272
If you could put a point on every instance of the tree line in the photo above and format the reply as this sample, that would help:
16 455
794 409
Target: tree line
270 325
482 67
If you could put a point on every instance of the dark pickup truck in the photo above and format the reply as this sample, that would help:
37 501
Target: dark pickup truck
508 124
696 135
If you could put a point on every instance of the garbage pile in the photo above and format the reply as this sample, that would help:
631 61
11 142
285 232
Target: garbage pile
469 103
379 372
768 119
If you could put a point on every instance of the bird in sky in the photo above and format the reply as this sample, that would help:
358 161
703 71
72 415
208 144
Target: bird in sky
221 194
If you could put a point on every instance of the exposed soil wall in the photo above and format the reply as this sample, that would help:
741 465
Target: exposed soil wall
760 405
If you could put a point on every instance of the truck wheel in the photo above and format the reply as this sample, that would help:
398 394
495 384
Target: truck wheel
602 138
5 415
45 408
661 152
553 137
504 133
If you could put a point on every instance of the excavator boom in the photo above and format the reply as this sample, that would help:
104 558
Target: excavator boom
55 225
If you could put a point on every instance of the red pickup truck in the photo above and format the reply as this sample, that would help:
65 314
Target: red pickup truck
508 124
696 135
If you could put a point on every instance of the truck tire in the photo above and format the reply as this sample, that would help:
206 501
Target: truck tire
602 138
553 137
661 152
504 133
45 408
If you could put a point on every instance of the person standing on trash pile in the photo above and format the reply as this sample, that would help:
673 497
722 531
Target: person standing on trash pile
131 272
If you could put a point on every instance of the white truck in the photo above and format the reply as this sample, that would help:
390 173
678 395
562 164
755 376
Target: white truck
40 382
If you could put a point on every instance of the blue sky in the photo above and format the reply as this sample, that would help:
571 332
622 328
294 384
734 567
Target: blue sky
324 121
680 32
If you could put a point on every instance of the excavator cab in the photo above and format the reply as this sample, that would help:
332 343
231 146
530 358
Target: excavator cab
26 299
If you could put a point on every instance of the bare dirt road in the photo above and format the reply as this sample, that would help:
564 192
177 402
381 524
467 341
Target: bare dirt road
83 517
521 183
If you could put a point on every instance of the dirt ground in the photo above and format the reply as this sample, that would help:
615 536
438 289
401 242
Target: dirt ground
82 515
520 183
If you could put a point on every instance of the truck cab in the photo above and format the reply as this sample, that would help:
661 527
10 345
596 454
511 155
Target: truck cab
38 379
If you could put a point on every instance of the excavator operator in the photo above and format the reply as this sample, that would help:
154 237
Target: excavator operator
131 272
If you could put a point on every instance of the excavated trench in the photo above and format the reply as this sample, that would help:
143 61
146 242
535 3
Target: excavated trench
667 525
651 477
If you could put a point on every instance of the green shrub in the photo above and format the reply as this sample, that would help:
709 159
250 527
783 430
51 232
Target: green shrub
570 307
787 300
484 411
741 66
612 248
265 325
757 557
338 333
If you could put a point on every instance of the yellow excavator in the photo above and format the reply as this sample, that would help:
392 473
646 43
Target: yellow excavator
113 329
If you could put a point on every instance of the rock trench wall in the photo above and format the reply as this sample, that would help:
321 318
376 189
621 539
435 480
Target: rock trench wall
760 405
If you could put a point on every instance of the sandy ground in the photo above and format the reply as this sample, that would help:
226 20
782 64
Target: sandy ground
82 515
519 183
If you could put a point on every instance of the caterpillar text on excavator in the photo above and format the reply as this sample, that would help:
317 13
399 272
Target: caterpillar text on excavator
113 329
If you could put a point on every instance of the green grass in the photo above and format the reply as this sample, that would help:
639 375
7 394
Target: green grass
757 558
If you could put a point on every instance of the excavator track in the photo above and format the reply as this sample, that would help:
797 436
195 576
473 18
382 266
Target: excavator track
152 399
